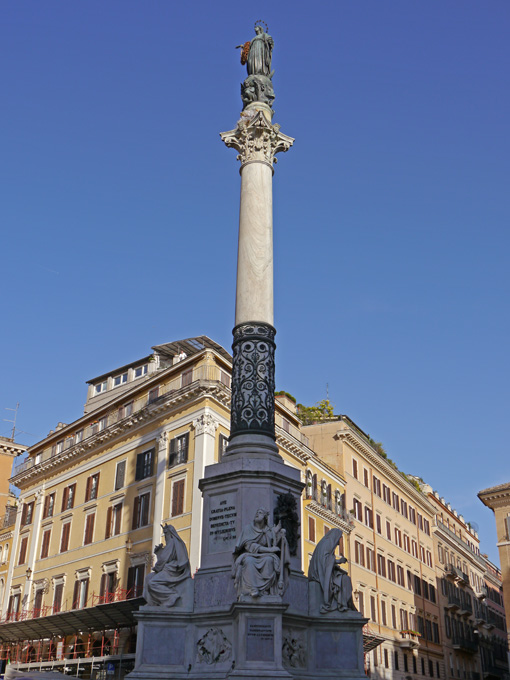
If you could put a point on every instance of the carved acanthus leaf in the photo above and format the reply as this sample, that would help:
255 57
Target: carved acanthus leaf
256 139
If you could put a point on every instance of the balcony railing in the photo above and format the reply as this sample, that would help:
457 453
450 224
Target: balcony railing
464 643
125 413
451 533
410 639
119 595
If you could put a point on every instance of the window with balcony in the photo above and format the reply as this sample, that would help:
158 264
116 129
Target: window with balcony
135 580
80 594
179 450
38 600
58 592
144 465
108 586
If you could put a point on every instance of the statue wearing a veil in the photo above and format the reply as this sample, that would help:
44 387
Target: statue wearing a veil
325 568
257 54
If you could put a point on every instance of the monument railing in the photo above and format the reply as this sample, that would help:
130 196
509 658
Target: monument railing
122 414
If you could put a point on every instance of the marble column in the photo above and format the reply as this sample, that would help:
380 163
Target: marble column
252 429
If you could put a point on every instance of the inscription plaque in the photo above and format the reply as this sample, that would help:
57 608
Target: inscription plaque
260 640
222 522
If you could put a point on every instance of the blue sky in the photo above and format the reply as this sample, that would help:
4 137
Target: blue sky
119 208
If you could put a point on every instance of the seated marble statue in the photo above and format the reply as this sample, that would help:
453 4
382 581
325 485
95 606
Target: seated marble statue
335 582
164 587
261 558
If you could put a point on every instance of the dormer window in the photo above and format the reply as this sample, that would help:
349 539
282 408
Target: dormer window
120 379
100 387
141 370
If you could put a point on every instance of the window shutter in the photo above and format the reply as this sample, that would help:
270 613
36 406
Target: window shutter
145 510
173 454
24 514
64 543
136 510
86 595
45 543
46 507
150 463
118 518
311 529
108 531
23 550
89 487
139 467
178 498
64 498
76 595
98 474
120 474
72 490
102 586
57 600
89 528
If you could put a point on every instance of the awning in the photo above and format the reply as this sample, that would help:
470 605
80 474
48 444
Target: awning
101 617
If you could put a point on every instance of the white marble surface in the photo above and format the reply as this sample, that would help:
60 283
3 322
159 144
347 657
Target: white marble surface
254 296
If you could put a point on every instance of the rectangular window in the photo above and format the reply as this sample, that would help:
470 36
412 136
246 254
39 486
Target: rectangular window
361 604
141 370
222 446
38 600
120 379
92 487
373 609
406 663
395 501
359 553
89 528
153 395
376 483
407 543
27 513
414 546
64 539
391 571
432 593
422 553
404 620
178 497
23 550
179 450
400 576
57 597
395 656
107 587
388 530
386 493
187 378
141 511
78 437
136 576
429 558
120 474
369 517
68 497
420 522
383 612
225 378
370 559
381 565
366 481
358 509
378 524
100 387
417 585
403 507
144 465
435 634
311 529
49 505
431 669
113 520
45 543
393 616
412 514
355 468
398 537
386 659
426 526
80 595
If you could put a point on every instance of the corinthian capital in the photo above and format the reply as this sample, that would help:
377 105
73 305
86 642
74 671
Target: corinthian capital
256 138
205 424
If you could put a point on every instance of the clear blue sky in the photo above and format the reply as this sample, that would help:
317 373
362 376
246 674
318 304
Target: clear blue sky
119 209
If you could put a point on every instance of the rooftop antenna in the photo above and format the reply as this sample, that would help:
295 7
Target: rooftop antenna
12 421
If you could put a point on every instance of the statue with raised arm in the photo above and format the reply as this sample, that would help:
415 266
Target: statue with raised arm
261 558
166 584
257 55
335 582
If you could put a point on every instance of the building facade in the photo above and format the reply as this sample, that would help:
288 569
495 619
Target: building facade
391 552
94 494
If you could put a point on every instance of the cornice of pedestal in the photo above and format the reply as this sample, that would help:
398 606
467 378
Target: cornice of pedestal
256 139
